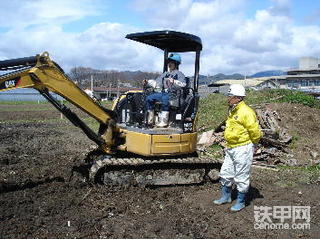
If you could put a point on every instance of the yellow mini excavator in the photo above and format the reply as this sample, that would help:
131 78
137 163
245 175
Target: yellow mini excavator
128 152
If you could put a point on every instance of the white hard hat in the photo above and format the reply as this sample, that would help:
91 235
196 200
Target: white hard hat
236 90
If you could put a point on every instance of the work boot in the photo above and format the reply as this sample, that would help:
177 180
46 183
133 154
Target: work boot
240 203
163 119
225 196
150 117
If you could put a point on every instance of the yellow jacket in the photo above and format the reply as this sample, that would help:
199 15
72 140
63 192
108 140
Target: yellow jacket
242 126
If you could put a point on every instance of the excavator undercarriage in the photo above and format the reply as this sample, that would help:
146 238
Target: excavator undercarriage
127 168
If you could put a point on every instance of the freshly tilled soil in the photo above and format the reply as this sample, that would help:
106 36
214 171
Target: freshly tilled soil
40 199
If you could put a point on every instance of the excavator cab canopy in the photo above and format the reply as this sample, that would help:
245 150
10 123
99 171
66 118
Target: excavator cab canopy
172 41
168 40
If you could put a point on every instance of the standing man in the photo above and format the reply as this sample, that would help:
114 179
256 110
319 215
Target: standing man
241 133
164 87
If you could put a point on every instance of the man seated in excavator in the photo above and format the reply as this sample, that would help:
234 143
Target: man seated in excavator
164 89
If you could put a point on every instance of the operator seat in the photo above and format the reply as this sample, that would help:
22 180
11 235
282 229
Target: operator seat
181 104
177 99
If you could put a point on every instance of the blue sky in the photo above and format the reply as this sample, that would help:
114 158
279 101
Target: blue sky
118 11
242 36
302 13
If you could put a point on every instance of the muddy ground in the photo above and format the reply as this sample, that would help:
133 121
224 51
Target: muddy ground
38 199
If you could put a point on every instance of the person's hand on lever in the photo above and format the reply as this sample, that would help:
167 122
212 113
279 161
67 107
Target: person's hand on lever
144 82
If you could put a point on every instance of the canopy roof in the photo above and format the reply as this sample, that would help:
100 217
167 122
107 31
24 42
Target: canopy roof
171 40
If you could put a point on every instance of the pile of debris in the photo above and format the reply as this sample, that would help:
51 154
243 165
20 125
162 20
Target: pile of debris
272 148
275 140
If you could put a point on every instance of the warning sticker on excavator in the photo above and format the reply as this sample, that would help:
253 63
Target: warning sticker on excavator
10 83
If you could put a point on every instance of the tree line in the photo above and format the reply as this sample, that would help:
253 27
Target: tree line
108 78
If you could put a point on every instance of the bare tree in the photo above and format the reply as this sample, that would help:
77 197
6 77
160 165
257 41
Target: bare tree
108 78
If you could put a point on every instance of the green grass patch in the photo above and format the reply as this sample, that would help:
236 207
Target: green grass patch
89 121
298 175
281 96
24 103
15 109
214 149
212 111
104 103
312 169
31 121
301 98
214 108
294 141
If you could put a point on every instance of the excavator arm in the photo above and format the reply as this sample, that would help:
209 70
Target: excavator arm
41 73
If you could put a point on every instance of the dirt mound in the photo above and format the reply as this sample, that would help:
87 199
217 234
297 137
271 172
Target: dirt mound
303 123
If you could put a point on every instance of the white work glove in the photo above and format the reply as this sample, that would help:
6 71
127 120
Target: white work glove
152 83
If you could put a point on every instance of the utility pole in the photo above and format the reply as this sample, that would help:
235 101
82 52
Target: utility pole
245 79
118 88
91 83
109 90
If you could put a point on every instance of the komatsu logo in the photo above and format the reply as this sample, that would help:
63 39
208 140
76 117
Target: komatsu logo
10 83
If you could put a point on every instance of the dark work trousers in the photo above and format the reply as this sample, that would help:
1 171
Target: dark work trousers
160 97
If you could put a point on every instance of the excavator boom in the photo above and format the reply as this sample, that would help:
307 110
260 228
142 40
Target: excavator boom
41 73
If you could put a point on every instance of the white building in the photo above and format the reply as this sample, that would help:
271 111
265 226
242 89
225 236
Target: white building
305 78
307 63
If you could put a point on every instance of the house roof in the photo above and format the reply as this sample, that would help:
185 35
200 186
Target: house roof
249 82
113 89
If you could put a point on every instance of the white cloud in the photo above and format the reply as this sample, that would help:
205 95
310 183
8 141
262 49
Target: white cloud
20 14
233 41
103 46
305 42
264 33
165 13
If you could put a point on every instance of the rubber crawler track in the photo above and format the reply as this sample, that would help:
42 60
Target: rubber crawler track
134 161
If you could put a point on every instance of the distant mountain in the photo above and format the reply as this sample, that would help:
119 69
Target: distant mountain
268 73
205 80
221 76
